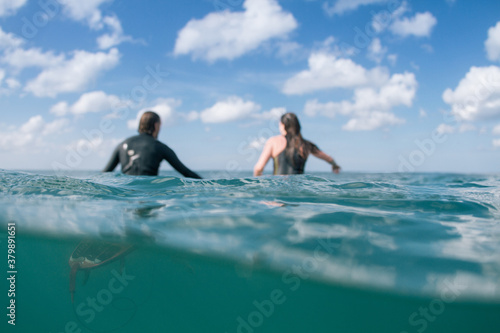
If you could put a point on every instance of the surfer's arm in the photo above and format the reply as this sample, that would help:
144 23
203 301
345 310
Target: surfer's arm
264 157
327 158
113 161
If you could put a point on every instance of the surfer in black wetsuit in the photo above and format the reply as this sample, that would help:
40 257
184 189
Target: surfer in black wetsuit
142 154
289 150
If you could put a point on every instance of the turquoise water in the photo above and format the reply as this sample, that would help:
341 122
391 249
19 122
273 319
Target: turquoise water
310 253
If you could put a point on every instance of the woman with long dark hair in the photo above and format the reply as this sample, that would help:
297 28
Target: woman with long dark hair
290 150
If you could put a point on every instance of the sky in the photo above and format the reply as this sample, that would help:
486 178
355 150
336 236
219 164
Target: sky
380 85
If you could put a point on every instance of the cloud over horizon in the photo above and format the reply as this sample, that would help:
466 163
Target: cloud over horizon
95 101
31 133
229 35
370 107
231 109
72 75
327 71
477 96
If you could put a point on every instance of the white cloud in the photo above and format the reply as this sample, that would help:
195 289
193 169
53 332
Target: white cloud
57 126
191 116
229 35
376 51
274 113
95 101
496 143
86 146
30 133
11 84
19 58
383 20
9 7
164 107
445 129
331 46
87 11
60 109
371 121
34 124
74 74
326 71
375 91
116 37
477 96
342 6
420 25
370 108
422 113
231 109
9 40
492 44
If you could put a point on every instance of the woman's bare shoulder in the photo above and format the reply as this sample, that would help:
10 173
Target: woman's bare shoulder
277 144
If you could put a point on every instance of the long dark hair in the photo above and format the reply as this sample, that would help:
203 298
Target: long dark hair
296 147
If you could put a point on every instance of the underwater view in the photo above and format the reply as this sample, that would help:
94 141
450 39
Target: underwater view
401 253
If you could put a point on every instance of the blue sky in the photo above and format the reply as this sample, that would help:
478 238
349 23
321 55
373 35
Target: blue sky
382 86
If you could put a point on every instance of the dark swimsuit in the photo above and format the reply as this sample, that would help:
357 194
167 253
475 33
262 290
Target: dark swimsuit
142 154
284 166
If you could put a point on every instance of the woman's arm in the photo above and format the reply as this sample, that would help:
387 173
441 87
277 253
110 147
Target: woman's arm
325 157
264 157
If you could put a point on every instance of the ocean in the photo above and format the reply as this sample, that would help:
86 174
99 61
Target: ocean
354 252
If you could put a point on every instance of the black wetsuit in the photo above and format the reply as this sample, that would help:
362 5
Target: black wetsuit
142 154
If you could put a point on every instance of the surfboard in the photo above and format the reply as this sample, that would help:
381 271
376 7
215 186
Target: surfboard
90 254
